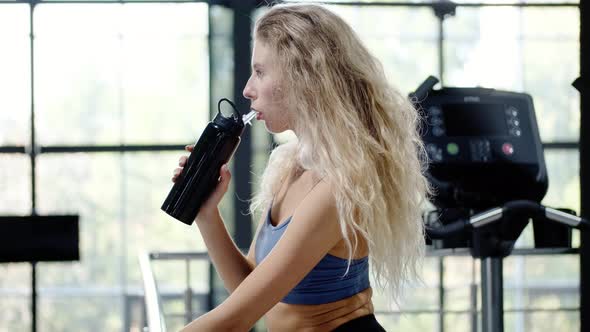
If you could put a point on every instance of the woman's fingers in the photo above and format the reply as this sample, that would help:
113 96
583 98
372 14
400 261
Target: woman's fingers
182 161
222 186
176 173
224 175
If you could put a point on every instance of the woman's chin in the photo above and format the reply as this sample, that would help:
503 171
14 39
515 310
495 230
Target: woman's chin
274 130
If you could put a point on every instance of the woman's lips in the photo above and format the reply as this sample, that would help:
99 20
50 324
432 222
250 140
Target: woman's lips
258 116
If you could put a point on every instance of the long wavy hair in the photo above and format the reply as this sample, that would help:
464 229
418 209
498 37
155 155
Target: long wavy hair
353 128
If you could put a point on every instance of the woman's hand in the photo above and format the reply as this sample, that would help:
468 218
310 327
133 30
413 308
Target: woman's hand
210 206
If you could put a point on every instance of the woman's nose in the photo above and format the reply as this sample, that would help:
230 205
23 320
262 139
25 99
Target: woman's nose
248 91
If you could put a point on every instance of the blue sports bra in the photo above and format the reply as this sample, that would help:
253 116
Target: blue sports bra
326 282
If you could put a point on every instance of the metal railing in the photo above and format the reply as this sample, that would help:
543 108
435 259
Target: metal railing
153 300
154 313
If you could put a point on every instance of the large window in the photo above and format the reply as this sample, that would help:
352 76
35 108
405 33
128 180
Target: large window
15 80
105 77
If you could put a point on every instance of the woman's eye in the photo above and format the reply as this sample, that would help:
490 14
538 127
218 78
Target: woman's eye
258 73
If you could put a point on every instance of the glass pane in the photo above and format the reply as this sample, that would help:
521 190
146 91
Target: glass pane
88 185
15 66
548 74
166 72
15 184
421 296
408 322
222 62
407 50
541 282
16 313
563 168
16 279
542 321
519 56
59 310
15 290
461 278
135 74
460 322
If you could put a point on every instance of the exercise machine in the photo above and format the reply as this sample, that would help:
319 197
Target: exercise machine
487 169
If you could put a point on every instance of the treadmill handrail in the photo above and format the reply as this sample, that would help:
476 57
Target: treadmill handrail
522 207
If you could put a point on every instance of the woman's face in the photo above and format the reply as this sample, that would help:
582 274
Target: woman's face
264 91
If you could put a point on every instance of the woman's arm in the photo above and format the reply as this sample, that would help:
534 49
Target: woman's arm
313 231
231 265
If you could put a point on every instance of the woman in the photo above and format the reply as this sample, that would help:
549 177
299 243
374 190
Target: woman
347 191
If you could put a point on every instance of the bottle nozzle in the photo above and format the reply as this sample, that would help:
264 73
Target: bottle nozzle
247 118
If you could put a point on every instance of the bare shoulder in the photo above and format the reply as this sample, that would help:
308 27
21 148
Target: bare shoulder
318 207
323 194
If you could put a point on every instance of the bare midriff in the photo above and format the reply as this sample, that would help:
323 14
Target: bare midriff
285 317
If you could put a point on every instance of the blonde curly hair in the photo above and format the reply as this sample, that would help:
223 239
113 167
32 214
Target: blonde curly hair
356 131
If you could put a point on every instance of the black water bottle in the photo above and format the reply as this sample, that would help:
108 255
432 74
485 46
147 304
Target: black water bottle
200 174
